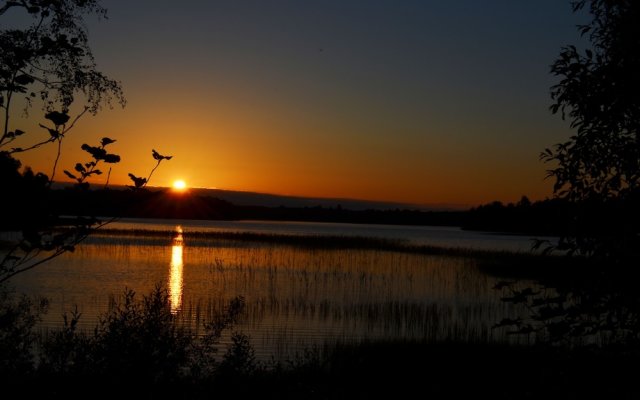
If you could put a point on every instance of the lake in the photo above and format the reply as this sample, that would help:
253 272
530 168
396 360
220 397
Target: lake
445 236
297 298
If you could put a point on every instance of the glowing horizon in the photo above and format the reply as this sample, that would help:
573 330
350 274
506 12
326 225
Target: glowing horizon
179 185
402 119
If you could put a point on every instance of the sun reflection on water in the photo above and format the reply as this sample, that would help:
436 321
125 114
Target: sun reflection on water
175 273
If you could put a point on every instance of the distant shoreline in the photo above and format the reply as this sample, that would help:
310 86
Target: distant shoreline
258 199
541 218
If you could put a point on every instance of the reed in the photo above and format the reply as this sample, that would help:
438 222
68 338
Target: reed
331 242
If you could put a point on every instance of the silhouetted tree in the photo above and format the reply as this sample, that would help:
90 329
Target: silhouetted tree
598 172
598 168
48 60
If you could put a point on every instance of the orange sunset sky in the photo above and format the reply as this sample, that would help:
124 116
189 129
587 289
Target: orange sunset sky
418 102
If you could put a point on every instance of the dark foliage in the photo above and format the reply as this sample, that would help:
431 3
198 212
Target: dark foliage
598 168
18 317
457 370
138 348
577 307
51 59
26 205
597 177
46 58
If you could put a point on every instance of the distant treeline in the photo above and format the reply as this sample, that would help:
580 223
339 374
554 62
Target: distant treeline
543 217
167 204
546 217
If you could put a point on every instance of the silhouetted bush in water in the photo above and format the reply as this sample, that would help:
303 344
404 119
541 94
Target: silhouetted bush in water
18 317
586 308
137 347
239 360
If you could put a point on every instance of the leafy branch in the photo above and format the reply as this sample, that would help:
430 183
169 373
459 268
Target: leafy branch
138 182
57 241
86 170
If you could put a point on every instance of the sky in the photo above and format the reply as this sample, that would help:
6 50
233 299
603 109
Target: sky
421 102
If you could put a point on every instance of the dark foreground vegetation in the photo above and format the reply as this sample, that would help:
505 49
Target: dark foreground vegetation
453 370
138 350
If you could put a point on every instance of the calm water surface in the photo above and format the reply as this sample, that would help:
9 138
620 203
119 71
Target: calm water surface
422 235
296 298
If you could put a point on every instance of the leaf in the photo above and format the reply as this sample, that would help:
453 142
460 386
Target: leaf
57 118
70 175
24 79
106 141
12 134
96 152
80 168
111 158
54 133
160 157
138 182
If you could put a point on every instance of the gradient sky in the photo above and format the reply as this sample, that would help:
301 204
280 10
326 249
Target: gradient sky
424 102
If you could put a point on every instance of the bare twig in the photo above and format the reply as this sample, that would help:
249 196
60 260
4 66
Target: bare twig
55 163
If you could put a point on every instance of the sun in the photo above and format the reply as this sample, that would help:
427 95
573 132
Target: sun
179 185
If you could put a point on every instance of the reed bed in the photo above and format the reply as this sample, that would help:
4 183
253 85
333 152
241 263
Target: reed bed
325 242
296 297
300 291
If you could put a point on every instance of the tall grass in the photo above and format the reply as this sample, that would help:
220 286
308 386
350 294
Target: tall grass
310 292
